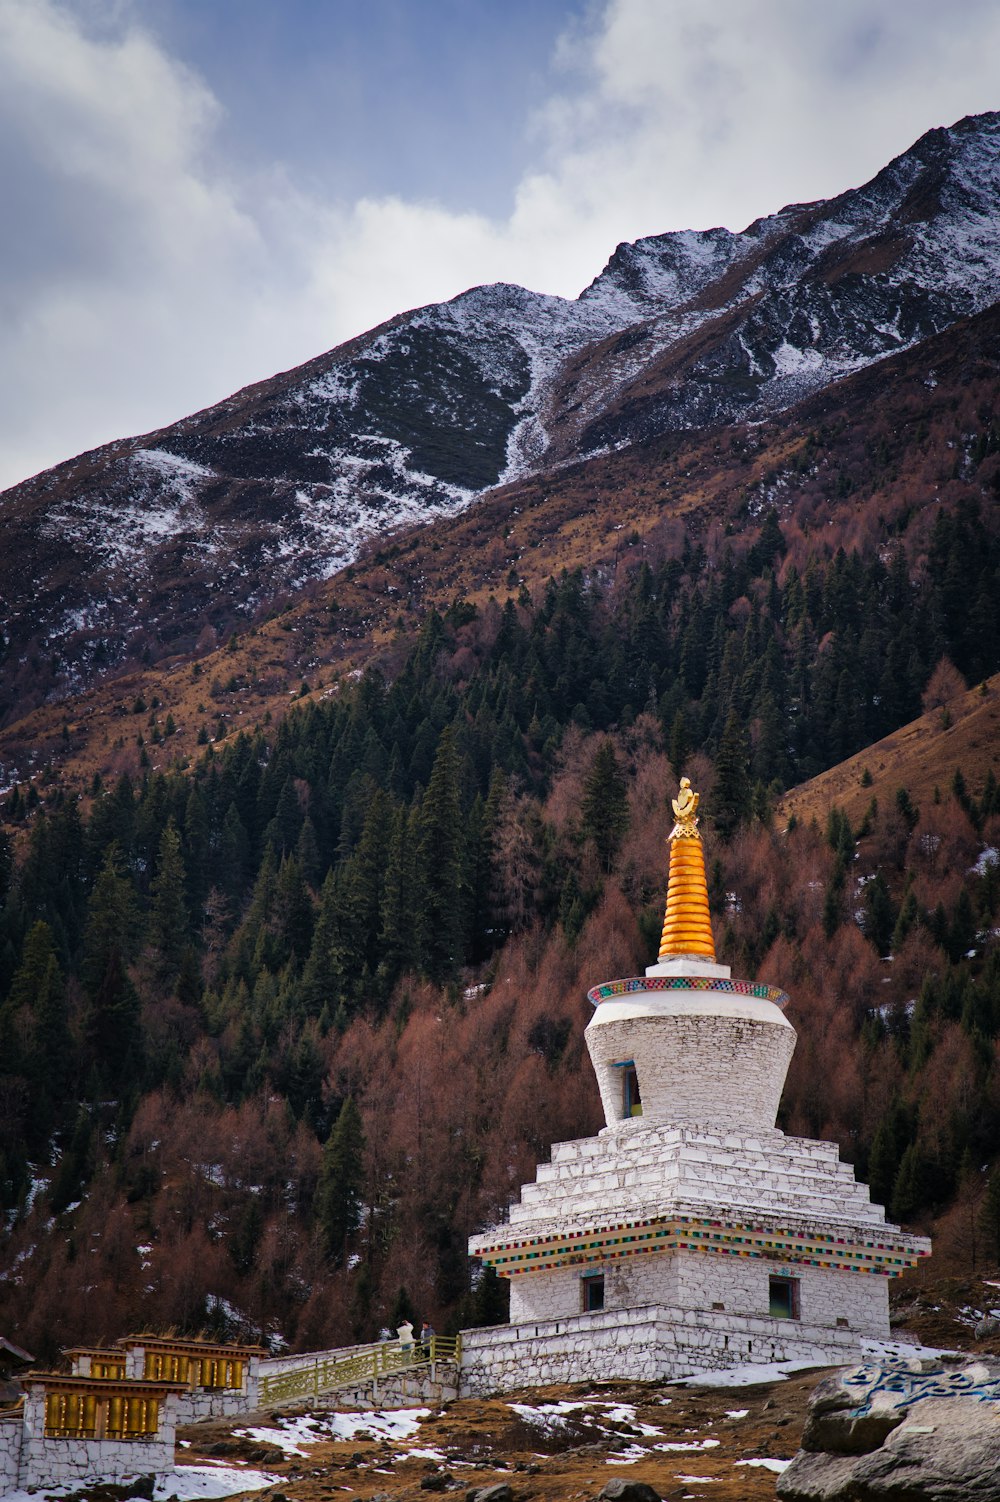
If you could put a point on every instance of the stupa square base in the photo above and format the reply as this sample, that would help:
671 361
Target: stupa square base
649 1344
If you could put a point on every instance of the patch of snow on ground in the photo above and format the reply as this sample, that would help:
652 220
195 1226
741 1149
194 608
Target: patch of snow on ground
185 1483
624 1413
737 1413
310 1429
751 1375
189 1482
628 1456
180 473
769 1465
967 1315
688 1444
546 1415
877 1349
788 360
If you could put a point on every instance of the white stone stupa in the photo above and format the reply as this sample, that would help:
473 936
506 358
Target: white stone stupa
689 1233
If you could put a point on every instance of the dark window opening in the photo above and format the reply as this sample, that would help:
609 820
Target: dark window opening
784 1298
631 1099
592 1292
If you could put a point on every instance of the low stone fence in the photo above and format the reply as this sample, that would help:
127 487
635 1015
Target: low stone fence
643 1345
11 1431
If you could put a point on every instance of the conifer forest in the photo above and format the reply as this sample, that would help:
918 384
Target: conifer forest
279 1032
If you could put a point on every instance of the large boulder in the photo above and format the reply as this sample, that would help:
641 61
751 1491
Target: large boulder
899 1431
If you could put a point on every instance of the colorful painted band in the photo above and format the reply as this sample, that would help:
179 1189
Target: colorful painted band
609 990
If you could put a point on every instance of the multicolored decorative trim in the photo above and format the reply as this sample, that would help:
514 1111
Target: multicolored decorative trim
610 989
687 1234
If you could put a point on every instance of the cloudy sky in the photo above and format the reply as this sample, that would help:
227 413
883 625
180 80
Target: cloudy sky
197 193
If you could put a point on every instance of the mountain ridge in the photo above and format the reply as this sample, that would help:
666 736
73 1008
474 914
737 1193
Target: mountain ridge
142 545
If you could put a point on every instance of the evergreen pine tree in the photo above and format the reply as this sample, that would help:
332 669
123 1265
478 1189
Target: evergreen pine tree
909 913
110 937
399 937
909 1190
169 927
989 1215
605 804
441 860
338 1194
234 855
679 748
324 975
731 801
490 1299
880 917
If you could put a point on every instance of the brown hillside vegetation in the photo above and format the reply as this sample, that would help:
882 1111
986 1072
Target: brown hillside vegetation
961 733
461 1090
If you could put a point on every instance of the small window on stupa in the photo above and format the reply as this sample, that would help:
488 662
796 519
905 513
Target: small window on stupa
631 1099
592 1292
784 1298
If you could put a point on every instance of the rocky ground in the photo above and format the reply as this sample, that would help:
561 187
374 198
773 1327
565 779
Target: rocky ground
553 1443
564 1443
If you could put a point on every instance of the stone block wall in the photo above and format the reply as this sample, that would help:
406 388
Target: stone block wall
697 1063
437 1383
588 1347
11 1430
655 1343
699 1280
639 1167
49 1463
826 1297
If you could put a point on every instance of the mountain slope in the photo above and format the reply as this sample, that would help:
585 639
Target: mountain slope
868 464
144 545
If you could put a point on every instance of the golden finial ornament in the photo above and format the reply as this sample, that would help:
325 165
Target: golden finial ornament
685 807
687 926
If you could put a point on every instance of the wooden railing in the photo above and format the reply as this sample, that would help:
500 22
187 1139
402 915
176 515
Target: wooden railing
360 1364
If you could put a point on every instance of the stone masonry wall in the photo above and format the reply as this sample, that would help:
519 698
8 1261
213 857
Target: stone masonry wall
437 1383
700 1066
11 1429
639 1345
58 1462
698 1281
642 1167
588 1347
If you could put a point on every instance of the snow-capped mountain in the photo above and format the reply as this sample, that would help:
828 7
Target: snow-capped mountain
145 542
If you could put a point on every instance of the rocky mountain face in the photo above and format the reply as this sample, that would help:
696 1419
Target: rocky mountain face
149 544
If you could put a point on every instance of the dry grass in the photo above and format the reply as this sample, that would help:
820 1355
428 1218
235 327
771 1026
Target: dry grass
920 757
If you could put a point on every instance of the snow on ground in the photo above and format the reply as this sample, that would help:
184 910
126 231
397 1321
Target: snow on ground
554 1416
185 1483
769 1465
628 1456
688 1444
877 1350
778 1371
311 1429
745 1376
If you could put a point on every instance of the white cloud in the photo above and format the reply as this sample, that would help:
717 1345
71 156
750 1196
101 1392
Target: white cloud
138 283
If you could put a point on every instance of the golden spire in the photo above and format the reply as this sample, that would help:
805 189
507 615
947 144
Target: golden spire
687 927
